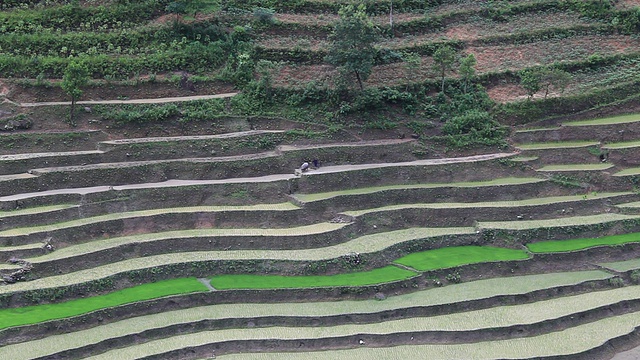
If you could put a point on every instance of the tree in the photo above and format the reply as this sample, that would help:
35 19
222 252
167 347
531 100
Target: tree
444 57
556 78
412 62
530 81
467 70
177 8
75 77
545 78
352 40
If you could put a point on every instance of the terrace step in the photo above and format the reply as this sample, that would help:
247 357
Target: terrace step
470 296
614 129
262 164
628 172
13 143
192 245
467 213
577 339
568 222
575 167
132 222
162 148
20 163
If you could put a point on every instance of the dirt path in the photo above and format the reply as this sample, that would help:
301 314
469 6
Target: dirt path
132 101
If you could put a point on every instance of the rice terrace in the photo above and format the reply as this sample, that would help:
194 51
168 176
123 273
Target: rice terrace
320 179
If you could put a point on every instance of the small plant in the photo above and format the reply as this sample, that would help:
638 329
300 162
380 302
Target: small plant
635 276
453 278
264 15
616 282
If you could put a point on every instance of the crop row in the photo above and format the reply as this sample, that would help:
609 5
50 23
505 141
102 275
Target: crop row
466 292
73 17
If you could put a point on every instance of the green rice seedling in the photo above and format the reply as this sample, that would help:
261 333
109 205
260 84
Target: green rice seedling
492 204
606 121
576 167
376 276
36 210
537 129
141 213
371 190
622 145
628 172
459 255
560 222
39 313
98 245
623 266
557 145
474 290
524 158
580 244
631 205
566 342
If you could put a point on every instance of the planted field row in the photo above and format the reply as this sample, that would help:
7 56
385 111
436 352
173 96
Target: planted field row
72 17
573 340
422 302
576 341
490 58
467 30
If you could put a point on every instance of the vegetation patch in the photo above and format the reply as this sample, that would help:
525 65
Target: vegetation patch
622 145
557 145
606 121
580 244
39 313
459 255
576 167
371 190
376 276
628 172
560 222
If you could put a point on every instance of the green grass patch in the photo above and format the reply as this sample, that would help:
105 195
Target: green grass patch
459 255
606 121
576 167
623 145
376 276
39 313
557 145
579 244
628 172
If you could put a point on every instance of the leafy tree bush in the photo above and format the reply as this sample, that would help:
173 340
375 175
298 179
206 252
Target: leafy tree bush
352 41
75 77
264 15
443 58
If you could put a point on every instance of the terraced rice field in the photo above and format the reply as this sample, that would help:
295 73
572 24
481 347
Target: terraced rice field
214 246
356 245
